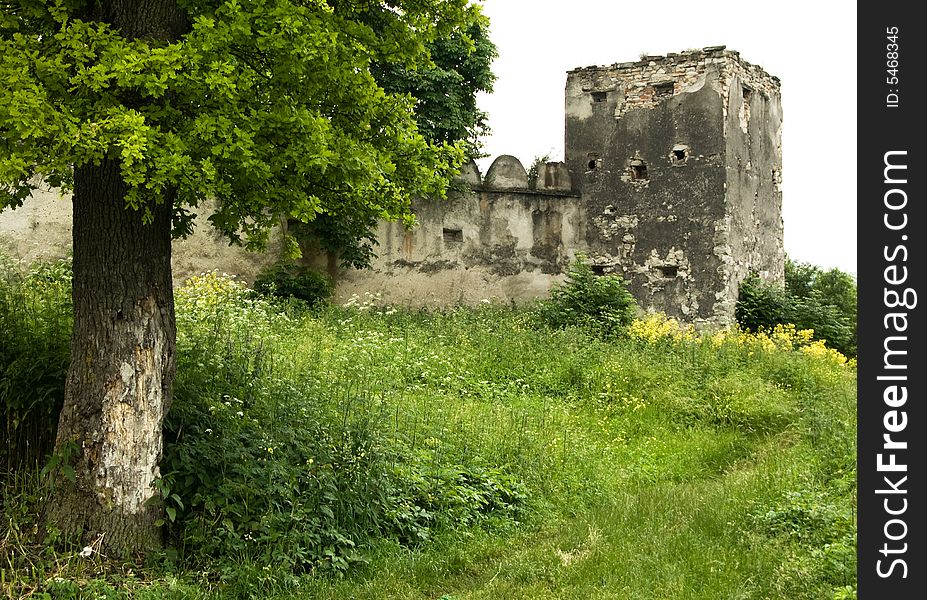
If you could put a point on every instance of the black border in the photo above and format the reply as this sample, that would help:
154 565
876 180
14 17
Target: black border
882 129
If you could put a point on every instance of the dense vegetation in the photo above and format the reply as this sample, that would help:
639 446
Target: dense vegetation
364 451
811 298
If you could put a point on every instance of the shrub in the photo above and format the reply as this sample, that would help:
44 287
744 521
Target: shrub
269 462
288 280
761 306
602 302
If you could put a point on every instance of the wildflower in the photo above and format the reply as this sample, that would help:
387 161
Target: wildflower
87 552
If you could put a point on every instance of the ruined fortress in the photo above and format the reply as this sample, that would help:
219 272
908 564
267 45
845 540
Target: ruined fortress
671 179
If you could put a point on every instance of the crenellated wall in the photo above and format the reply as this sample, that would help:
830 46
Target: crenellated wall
500 238
672 174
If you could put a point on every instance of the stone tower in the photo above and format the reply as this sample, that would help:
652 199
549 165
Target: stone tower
678 159
671 179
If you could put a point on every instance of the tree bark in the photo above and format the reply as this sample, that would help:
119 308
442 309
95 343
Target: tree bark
122 350
122 367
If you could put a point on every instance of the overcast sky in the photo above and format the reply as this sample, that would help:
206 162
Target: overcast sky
810 46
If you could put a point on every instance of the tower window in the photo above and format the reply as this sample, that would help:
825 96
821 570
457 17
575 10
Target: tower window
599 97
747 93
593 162
638 170
667 271
664 89
452 236
679 154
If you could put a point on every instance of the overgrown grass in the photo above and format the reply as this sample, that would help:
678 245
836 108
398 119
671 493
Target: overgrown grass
368 452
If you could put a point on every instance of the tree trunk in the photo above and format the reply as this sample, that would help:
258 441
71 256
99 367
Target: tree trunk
122 367
122 350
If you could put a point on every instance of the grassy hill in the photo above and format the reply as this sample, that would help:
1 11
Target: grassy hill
364 451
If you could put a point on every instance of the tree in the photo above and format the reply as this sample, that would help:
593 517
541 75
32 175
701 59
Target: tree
144 108
444 91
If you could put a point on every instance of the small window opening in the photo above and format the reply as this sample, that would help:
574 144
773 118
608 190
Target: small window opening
664 89
453 236
667 271
747 92
638 170
593 162
598 270
680 154
599 97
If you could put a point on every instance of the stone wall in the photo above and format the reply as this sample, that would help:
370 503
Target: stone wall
502 239
672 175
41 228
679 176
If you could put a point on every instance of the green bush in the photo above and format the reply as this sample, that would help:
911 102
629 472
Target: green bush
760 305
288 280
601 302
35 330
812 299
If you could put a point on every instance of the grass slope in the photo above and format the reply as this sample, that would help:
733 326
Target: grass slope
365 452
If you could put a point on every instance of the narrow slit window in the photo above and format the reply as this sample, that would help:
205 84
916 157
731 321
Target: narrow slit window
598 97
668 271
453 236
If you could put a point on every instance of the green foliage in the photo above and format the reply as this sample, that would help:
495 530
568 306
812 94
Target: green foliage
535 169
601 302
469 452
270 107
35 326
759 305
825 528
288 280
824 301
285 468
445 89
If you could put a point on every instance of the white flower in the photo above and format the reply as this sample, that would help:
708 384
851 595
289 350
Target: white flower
86 552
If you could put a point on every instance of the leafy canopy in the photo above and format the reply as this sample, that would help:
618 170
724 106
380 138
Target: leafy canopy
444 91
269 106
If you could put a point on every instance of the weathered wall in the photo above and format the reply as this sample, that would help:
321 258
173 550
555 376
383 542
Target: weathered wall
673 196
41 228
501 240
672 180
753 130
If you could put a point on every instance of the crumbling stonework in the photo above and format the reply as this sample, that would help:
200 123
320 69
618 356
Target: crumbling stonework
672 180
678 160
672 175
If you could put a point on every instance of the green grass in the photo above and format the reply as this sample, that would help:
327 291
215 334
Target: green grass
614 468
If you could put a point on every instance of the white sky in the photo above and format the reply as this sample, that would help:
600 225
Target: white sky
810 46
